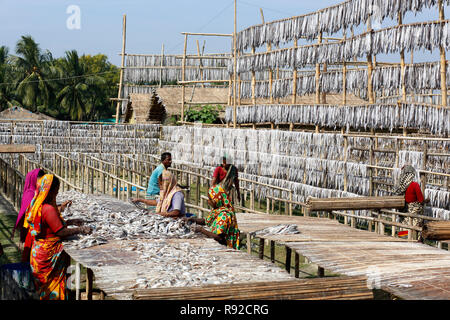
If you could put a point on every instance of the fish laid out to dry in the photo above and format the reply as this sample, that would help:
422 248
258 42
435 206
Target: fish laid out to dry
177 265
278 229
113 219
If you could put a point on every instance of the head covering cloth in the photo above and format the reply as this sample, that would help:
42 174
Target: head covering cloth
169 187
222 219
29 191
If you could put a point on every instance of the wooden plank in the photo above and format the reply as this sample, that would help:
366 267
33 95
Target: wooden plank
355 203
17 148
116 268
331 288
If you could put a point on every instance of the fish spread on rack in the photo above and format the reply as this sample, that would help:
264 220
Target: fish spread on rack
112 219
278 229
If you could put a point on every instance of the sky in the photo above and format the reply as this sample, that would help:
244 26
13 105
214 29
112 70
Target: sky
95 26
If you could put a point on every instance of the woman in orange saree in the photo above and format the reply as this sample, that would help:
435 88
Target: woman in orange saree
48 261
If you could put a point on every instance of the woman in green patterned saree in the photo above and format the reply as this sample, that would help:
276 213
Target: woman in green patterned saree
221 220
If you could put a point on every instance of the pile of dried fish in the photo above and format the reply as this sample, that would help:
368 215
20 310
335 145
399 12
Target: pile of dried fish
416 37
350 13
178 265
279 229
63 136
112 219
360 117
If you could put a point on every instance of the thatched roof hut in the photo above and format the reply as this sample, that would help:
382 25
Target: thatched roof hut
20 114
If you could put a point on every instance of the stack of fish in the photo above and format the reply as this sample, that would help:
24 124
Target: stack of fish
278 229
112 219
178 265
350 13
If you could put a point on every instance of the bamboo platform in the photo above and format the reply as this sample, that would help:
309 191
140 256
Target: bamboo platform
407 269
334 288
116 269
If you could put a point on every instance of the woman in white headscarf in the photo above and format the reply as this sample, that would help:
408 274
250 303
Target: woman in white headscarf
413 196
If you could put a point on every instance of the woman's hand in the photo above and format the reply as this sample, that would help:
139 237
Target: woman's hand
136 200
75 222
85 230
197 228
65 205
186 219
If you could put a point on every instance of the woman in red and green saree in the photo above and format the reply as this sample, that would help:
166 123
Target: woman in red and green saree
221 220
48 261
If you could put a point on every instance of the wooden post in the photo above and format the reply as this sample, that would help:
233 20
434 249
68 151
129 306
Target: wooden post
297 264
423 176
183 77
288 259
253 82
119 96
200 65
249 242
77 281
344 76
261 248
402 62
318 75
324 94
239 89
294 82
290 203
394 228
272 251
345 161
89 283
371 160
161 65
369 69
235 66
443 60
269 48
320 272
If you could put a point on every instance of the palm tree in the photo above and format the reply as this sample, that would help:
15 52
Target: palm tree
32 67
7 97
78 87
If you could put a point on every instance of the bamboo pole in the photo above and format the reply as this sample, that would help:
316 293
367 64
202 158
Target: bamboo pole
183 77
253 82
436 230
344 77
162 60
200 66
269 48
443 60
119 96
318 76
324 94
294 81
288 259
235 65
369 69
355 203
402 62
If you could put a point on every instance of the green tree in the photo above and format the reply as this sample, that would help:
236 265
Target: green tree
7 96
31 68
103 86
207 114
74 89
